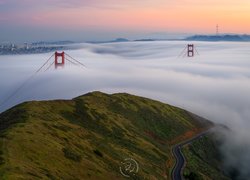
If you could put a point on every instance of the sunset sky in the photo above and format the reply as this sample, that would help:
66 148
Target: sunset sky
30 20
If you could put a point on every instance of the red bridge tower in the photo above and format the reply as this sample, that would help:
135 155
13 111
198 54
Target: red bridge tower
190 50
59 59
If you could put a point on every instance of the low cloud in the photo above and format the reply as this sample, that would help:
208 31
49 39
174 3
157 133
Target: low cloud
215 84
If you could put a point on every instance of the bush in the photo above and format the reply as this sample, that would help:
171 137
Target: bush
70 154
192 176
98 153
1 160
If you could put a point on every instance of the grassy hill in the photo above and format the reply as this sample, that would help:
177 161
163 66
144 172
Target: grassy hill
204 159
89 136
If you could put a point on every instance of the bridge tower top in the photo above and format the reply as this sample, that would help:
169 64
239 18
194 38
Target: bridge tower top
59 59
190 50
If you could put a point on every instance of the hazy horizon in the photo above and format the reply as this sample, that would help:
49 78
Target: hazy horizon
100 37
84 20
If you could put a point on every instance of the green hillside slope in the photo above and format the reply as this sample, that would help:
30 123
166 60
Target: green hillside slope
204 160
89 137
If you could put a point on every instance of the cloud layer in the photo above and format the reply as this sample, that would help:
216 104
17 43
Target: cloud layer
214 84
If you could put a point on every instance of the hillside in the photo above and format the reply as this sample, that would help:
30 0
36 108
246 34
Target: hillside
204 159
89 137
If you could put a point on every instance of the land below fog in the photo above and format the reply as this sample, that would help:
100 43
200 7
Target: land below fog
35 48
89 137
44 47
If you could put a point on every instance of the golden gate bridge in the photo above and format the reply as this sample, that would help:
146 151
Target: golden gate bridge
56 60
60 59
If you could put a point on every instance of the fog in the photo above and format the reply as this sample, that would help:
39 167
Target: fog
214 84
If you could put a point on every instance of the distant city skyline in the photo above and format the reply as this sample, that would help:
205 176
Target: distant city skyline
85 20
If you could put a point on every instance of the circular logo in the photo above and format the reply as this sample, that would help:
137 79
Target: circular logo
129 167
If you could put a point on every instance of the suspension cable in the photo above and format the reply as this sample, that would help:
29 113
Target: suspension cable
24 83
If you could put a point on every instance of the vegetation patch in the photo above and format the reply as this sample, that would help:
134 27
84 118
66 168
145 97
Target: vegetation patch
204 159
13 116
72 155
98 153
1 161
192 176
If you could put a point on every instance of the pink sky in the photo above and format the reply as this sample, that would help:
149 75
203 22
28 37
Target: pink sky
191 16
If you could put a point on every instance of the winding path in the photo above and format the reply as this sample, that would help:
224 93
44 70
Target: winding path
176 173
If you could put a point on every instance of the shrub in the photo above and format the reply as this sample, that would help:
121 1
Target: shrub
98 153
70 154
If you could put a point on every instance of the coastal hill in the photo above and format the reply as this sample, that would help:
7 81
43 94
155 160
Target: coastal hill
89 136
